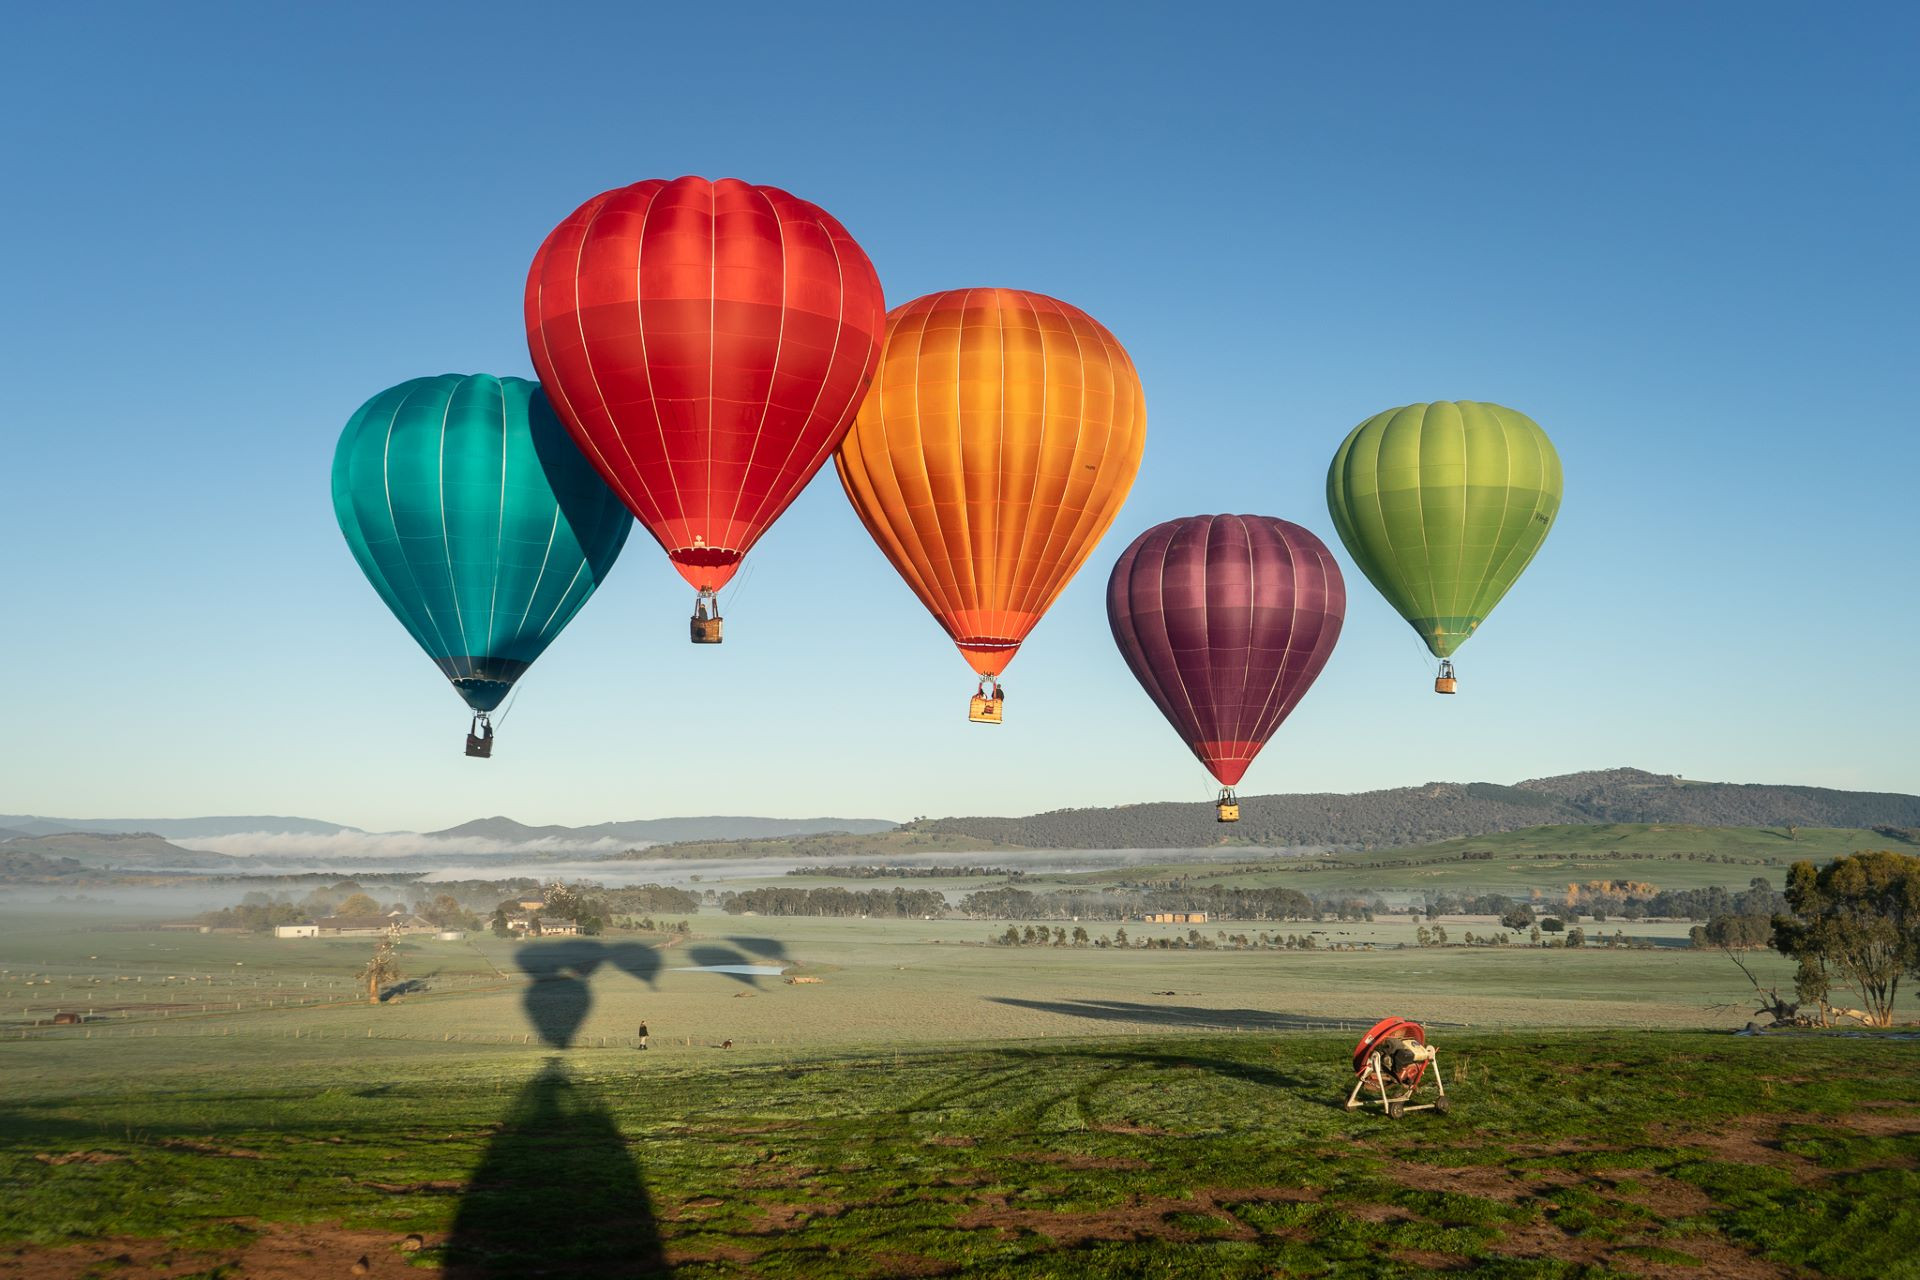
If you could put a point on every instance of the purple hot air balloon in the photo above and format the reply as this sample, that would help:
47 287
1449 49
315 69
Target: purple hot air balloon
1226 620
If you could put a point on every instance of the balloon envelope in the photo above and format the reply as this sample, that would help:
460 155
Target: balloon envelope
477 520
707 344
999 441
1226 621
1442 505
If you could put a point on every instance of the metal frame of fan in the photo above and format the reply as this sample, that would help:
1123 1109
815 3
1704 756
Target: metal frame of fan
1390 1063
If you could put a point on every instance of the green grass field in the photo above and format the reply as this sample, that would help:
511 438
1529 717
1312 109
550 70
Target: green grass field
928 1105
1598 1154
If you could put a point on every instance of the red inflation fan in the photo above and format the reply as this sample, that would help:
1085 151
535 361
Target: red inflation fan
1391 1060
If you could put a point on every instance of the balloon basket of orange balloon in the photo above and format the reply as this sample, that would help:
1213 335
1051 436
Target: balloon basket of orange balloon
1227 807
987 706
1444 682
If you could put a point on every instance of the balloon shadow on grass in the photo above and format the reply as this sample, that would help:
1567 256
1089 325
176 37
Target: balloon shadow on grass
1169 1015
556 1194
557 998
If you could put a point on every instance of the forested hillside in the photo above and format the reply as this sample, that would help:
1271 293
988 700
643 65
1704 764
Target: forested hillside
1440 811
100 849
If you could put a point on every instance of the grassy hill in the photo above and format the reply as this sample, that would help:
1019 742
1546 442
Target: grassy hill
131 851
1671 856
1404 816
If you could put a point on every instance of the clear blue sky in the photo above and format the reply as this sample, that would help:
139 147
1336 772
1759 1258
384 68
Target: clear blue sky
1680 237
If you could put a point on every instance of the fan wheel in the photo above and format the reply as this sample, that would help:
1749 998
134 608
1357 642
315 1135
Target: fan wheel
1395 1109
1443 1104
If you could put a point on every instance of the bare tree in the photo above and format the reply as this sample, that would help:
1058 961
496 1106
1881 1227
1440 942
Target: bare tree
383 970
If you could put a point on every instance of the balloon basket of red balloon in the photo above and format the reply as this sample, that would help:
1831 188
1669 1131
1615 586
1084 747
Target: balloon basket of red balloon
1445 682
988 703
1390 1063
704 626
1227 807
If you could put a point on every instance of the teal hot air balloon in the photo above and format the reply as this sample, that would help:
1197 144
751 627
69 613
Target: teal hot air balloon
478 521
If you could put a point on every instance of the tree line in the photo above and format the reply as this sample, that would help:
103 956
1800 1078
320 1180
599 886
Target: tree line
1217 901
834 901
1852 925
1758 898
866 871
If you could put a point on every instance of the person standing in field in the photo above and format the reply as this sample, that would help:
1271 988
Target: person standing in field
643 1035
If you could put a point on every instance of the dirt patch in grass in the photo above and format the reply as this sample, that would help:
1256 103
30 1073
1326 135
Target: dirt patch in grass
1488 1181
273 1251
1080 1160
906 1264
1885 1122
1714 1259
441 1186
1667 1197
774 1174
78 1157
955 1141
1427 1260
1140 1219
1745 1140
737 1254
1144 1220
209 1149
775 1218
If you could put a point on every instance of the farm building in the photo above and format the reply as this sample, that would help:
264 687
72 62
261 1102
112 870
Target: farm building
1176 917
371 926
296 931
549 926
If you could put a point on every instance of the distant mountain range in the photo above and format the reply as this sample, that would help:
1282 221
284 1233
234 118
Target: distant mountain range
310 837
1393 818
1442 810
22 824
663 830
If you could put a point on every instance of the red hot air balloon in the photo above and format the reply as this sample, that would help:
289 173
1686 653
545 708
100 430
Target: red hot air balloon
1225 621
707 345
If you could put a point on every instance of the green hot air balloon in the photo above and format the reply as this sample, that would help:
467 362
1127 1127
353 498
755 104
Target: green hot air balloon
1442 505
478 521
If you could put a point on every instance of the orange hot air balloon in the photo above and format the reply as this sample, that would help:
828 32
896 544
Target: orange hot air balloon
1002 433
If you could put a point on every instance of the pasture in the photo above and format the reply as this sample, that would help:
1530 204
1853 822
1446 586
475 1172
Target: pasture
1566 1155
880 984
931 1105
1669 856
